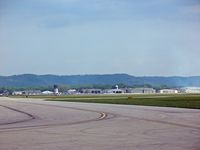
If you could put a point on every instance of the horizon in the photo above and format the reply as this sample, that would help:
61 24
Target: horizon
96 75
141 38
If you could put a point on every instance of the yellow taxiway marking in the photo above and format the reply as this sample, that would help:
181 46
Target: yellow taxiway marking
103 115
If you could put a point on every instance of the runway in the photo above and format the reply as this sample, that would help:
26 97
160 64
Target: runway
34 124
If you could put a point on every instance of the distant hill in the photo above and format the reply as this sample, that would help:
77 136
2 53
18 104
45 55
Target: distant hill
30 80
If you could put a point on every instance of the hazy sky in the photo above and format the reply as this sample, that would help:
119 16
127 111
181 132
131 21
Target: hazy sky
138 37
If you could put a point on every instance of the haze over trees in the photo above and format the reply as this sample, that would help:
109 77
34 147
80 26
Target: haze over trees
95 81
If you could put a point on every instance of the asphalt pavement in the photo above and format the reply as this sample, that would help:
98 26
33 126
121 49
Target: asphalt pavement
34 124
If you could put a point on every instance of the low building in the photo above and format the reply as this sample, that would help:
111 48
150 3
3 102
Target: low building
168 91
47 93
191 90
5 93
17 93
72 91
91 91
32 92
141 90
114 91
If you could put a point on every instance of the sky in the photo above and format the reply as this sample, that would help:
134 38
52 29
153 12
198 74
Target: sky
70 37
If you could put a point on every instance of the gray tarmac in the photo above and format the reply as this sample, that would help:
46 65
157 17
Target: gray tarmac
32 124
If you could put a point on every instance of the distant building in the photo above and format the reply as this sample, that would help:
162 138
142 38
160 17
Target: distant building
17 93
91 91
141 90
191 90
47 93
4 93
114 91
32 92
72 91
168 91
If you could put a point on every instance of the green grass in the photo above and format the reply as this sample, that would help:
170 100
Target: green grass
167 100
